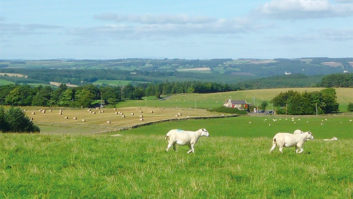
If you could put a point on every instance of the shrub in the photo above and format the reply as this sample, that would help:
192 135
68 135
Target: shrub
350 107
17 121
223 109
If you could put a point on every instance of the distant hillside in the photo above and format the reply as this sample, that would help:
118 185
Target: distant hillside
284 81
229 71
337 80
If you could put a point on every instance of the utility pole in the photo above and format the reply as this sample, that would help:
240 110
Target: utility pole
316 108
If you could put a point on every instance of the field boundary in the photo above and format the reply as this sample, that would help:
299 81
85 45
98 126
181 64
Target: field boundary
175 119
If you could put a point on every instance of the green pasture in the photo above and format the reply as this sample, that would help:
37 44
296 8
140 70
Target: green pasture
245 126
212 100
136 166
5 82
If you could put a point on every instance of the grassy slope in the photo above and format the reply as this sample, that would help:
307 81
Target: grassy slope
344 96
66 166
5 82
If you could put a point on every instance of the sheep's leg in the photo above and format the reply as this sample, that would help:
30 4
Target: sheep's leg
174 146
273 147
169 145
300 150
190 148
281 149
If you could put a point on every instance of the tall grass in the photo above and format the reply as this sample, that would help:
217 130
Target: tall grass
136 166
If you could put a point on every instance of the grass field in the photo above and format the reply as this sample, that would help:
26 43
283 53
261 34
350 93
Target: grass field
135 165
116 82
248 126
344 96
52 122
5 82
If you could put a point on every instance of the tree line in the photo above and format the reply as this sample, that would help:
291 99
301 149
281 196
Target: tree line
307 103
90 95
337 80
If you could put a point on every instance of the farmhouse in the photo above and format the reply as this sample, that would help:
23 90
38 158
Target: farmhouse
239 104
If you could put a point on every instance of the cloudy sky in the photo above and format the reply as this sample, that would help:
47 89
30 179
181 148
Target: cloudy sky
81 29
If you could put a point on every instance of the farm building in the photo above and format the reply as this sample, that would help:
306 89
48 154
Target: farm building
239 104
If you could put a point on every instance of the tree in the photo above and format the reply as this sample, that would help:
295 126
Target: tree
350 107
84 98
19 122
263 105
3 123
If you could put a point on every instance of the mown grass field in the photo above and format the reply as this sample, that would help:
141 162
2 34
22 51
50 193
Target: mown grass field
53 122
226 165
212 100
5 82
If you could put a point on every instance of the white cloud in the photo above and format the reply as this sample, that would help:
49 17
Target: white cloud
157 26
303 9
155 19
338 35
12 29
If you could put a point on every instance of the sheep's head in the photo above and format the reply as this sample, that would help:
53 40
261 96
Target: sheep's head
204 132
308 135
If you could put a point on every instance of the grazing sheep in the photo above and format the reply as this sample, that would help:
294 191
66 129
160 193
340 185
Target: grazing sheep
123 116
83 120
181 137
109 122
33 113
32 119
152 111
66 117
132 114
298 131
141 119
74 118
114 109
332 139
287 140
116 113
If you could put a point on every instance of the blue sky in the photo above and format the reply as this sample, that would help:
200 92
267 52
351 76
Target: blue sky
195 29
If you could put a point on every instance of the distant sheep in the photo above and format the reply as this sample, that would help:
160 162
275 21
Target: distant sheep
141 119
109 122
288 140
33 113
66 117
83 120
332 139
74 118
132 114
181 137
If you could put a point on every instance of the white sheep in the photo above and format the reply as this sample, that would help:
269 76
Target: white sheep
332 139
181 137
288 140
298 131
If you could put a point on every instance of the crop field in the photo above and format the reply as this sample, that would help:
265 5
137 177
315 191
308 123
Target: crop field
212 100
234 162
86 122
